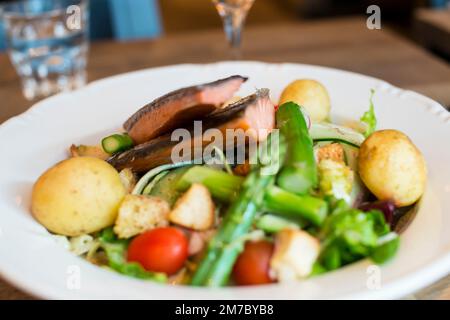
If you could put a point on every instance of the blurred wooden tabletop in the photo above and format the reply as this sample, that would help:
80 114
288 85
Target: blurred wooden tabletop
343 43
433 27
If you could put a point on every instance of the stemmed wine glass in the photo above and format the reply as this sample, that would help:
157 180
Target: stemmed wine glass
233 14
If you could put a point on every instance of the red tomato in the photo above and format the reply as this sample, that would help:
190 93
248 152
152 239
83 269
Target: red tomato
252 266
160 250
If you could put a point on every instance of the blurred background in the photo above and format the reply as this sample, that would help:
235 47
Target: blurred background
136 19
49 56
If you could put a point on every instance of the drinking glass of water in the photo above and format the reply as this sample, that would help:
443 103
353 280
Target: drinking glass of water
47 42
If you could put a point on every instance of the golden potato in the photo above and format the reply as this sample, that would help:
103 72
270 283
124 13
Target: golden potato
77 196
392 167
311 95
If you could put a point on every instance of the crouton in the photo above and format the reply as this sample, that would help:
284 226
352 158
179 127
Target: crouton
332 151
140 213
88 151
294 255
195 209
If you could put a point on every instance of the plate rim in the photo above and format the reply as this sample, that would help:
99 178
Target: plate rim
438 267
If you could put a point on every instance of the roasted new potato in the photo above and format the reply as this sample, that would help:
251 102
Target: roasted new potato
392 167
88 151
311 95
77 196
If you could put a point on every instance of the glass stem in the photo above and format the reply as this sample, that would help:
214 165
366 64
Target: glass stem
233 23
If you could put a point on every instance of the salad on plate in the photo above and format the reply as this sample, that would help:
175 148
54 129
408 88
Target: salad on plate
205 188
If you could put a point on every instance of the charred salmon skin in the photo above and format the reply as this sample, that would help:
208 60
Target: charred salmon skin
178 107
253 115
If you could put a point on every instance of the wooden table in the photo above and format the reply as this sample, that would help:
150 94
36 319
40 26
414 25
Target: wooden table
342 43
433 27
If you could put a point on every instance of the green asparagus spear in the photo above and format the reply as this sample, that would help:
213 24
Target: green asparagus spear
291 205
225 187
228 243
117 143
216 266
299 173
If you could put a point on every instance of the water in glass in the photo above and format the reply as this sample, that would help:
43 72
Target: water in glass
48 43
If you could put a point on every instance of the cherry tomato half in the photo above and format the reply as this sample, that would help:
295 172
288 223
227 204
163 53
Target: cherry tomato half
160 250
252 266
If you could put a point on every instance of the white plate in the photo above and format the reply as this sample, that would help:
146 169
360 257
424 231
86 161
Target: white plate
32 142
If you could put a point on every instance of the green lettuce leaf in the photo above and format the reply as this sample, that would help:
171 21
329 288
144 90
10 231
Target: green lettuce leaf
369 118
387 248
115 250
350 234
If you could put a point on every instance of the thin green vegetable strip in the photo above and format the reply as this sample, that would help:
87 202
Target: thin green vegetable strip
223 186
148 189
222 157
337 140
151 174
117 143
299 173
332 132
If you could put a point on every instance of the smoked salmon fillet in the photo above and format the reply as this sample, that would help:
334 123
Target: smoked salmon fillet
254 115
178 107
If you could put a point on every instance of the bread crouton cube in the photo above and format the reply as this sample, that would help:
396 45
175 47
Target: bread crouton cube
140 213
332 151
195 209
294 255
